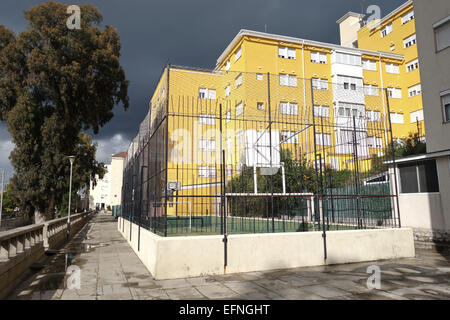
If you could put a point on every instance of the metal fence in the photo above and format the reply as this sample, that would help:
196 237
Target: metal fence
260 153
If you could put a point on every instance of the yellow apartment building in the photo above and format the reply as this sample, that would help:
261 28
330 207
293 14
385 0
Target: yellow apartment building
396 33
269 93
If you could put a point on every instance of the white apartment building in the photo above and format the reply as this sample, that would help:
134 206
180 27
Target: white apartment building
108 191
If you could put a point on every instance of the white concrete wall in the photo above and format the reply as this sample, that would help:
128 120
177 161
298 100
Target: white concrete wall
420 210
179 257
426 211
116 180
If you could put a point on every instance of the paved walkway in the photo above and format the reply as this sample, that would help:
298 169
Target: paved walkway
111 270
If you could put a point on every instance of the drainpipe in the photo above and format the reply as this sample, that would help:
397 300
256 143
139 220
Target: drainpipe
383 98
304 96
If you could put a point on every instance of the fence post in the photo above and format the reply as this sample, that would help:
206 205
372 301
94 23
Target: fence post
393 159
355 157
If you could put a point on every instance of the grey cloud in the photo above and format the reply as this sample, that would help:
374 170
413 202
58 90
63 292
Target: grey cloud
193 33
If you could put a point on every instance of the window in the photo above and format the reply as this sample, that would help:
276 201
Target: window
394 93
227 90
318 57
442 34
386 30
259 76
321 111
260 106
351 110
370 90
408 17
207 94
349 83
238 54
319 84
373 116
288 80
413 65
287 53
323 139
408 42
369 65
446 105
345 58
207 172
420 177
392 68
393 47
227 67
374 142
239 109
289 108
208 119
414 90
416 116
238 80
289 137
397 118
206 145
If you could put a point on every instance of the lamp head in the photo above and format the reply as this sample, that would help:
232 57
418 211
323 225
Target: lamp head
71 159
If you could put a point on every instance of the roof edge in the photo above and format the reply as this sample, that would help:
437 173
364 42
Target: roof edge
245 32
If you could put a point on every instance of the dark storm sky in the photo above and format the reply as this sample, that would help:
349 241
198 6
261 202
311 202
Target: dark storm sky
187 32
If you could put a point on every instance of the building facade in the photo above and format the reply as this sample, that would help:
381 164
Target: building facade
117 162
333 106
99 195
108 191
425 179
396 33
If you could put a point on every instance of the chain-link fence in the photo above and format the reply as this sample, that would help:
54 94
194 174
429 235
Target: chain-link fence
240 152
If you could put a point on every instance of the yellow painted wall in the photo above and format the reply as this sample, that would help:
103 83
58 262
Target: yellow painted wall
369 38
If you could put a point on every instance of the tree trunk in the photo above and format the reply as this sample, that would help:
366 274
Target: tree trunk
51 206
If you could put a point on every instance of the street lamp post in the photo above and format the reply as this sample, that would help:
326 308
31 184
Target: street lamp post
1 196
71 159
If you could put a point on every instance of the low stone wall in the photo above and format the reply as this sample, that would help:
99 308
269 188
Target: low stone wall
21 247
431 236
179 257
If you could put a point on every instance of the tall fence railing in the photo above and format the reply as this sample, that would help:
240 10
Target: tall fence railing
261 153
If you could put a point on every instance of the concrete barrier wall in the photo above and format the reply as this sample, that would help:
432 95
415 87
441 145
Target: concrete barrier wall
178 257
21 247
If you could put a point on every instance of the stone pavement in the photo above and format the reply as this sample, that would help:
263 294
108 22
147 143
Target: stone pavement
110 270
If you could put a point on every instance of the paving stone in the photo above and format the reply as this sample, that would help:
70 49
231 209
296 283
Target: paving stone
298 294
296 281
215 291
407 270
172 284
325 291
187 293
242 287
111 270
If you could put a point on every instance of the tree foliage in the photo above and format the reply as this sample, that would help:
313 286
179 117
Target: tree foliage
54 84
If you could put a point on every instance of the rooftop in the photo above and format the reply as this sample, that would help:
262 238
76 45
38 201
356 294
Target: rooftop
277 37
119 155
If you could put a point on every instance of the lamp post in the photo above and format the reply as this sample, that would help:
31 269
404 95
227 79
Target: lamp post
71 159
1 196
